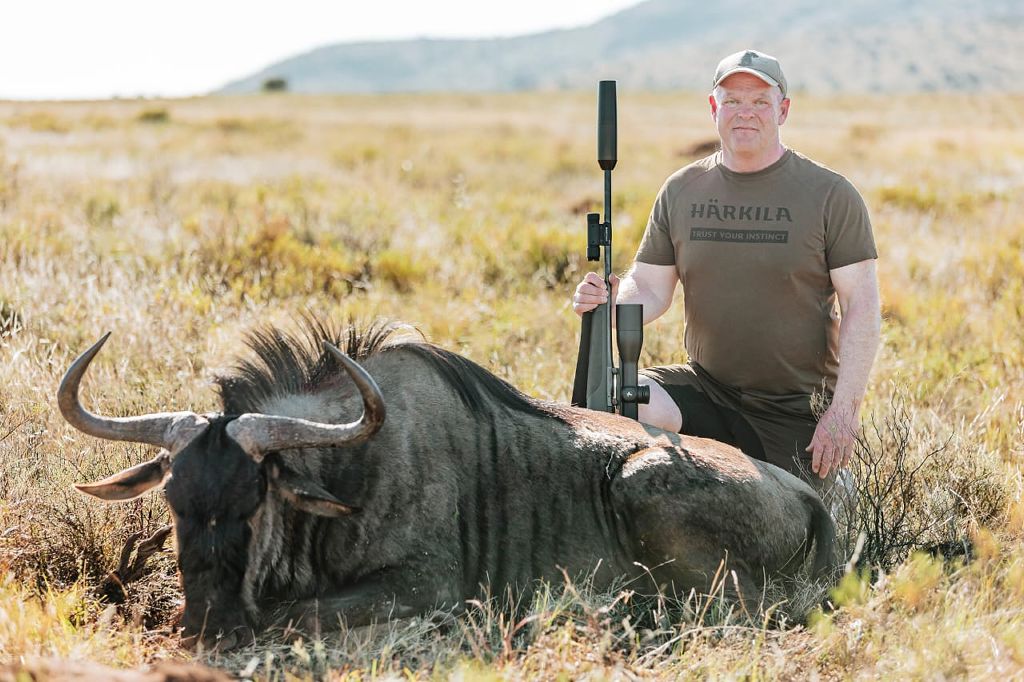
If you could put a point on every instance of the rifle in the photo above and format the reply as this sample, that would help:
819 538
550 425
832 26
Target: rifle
598 384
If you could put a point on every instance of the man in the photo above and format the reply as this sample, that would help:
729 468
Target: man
765 242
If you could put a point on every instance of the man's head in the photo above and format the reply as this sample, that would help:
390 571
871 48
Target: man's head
749 104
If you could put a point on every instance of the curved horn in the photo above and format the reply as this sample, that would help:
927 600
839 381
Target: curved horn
165 429
259 434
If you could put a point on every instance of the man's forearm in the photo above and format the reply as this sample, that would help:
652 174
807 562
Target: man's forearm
859 335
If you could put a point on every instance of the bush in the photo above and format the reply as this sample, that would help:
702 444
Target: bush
101 209
275 85
11 321
908 492
40 122
156 115
402 269
273 262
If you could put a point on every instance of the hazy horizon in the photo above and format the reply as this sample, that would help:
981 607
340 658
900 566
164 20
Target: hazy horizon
58 49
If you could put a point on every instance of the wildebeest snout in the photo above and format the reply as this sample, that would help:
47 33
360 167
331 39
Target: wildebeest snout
218 623
224 638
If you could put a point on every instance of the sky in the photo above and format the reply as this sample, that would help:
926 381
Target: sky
92 49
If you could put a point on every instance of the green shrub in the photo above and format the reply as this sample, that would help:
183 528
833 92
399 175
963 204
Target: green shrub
273 262
40 122
276 84
154 115
401 269
101 209
11 321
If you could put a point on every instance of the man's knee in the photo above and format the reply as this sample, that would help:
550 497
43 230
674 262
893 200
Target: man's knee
662 411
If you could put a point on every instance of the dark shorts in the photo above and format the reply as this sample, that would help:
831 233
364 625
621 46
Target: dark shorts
772 428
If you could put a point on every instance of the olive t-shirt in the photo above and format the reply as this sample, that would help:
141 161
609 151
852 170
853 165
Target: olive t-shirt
753 251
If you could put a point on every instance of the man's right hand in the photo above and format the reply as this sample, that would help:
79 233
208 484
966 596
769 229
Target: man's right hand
592 292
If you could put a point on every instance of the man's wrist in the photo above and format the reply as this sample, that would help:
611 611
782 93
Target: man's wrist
846 404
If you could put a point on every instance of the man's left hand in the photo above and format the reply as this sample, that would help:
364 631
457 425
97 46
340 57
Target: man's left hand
832 444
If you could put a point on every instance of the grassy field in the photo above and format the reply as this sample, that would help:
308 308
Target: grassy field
180 225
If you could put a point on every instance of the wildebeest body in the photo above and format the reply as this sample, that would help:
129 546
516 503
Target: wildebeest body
466 484
453 497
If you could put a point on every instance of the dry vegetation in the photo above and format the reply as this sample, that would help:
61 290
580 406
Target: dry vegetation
179 225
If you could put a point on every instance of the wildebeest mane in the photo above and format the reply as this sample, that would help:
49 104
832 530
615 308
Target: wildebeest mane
295 363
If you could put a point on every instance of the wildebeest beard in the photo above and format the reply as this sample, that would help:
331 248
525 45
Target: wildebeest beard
214 490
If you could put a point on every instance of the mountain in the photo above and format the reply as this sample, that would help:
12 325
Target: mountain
844 46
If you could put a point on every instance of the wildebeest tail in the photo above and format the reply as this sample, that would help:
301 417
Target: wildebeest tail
823 532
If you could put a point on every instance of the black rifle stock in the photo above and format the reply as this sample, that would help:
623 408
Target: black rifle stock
597 383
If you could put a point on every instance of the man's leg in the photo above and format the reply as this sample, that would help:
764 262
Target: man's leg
785 439
685 401
662 411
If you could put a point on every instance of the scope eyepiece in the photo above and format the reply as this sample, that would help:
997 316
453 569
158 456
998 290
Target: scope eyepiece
641 395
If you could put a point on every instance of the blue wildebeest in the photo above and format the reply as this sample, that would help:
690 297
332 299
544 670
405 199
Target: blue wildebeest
283 507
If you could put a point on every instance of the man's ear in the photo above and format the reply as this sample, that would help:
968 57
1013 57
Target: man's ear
714 106
783 110
130 483
306 495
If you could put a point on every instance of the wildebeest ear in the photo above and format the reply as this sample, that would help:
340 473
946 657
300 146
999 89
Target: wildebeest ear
306 495
131 482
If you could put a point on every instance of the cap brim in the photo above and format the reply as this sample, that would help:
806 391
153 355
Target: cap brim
753 72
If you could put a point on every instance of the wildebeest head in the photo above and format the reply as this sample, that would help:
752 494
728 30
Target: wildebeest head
217 471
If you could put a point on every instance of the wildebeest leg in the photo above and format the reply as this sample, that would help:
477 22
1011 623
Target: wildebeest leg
686 527
691 565
362 604
737 584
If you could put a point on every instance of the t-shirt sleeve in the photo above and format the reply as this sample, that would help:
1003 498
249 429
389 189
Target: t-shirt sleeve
848 236
656 244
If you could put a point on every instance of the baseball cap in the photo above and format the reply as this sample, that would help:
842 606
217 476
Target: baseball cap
764 66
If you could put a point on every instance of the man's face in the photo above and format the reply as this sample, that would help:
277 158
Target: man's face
748 113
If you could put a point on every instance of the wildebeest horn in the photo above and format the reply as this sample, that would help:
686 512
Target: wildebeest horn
169 430
259 434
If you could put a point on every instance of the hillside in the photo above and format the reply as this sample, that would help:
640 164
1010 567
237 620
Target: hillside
858 46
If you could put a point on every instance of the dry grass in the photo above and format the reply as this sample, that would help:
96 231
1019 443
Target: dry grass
178 225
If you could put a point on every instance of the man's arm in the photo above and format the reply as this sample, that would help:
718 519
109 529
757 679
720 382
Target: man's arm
651 285
859 332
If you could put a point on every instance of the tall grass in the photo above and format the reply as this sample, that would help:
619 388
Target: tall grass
179 225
